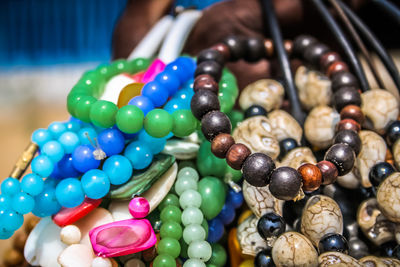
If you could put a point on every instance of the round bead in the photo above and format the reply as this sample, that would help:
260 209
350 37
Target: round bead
171 229
255 50
156 145
346 96
336 67
69 141
66 167
184 123
73 125
5 202
342 155
205 82
236 47
85 134
379 172
46 203
254 110
158 123
169 199
203 102
169 246
393 132
41 137
118 169
236 155
212 55
235 198
70 234
285 183
23 203
83 107
190 198
343 79
264 259
169 81
257 169
102 113
211 68
288 45
139 207
11 220
193 232
69 193
221 144
7 234
54 150
349 137
214 123
111 141
129 119
184 183
182 67
352 112
95 184
223 49
270 224
164 260
156 92
171 213
83 158
301 43
216 230
192 215
200 250
333 242
328 59
311 175
42 166
348 124
10 186
269 47
139 155
143 103
314 52
227 213
56 129
194 263
101 262
287 145
188 172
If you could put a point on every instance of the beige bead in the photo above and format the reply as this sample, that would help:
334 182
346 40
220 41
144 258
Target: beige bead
380 107
296 157
390 261
396 153
349 180
293 249
256 133
321 215
134 263
101 262
70 234
266 93
388 197
373 223
372 261
337 259
249 239
260 200
313 88
285 126
319 127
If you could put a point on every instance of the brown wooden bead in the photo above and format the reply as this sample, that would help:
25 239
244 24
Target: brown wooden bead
269 47
328 59
348 124
329 172
288 44
352 112
311 175
221 144
149 254
205 82
224 50
13 257
236 155
336 67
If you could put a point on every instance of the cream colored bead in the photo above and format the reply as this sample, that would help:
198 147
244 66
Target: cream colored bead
388 197
333 258
249 239
313 88
297 157
134 263
319 127
266 93
372 261
101 262
396 153
70 234
284 126
349 180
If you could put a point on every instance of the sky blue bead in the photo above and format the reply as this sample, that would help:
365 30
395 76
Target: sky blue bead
32 184
10 186
95 184
83 159
5 202
111 141
54 150
73 125
188 84
118 169
184 94
142 102
23 203
173 105
66 168
46 203
42 166
5 234
139 155
235 198
83 137
11 220
69 193
56 129
156 145
227 214
41 136
156 92
169 80
69 140
215 230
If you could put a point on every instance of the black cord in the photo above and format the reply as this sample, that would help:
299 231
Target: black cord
375 43
390 9
271 23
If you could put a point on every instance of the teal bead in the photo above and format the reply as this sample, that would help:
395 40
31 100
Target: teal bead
41 137
200 250
95 184
10 186
69 140
169 246
5 234
188 172
170 199
194 263
11 220
171 213
46 203
192 215
54 150
69 193
171 229
23 203
212 191
5 202
193 232
185 183
190 198
218 256
42 166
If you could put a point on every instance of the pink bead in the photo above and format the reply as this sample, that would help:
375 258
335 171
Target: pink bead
155 68
139 207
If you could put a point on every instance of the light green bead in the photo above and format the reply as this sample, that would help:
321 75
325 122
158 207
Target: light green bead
169 199
169 246
189 172
193 232
192 215
200 250
190 198
185 183
194 263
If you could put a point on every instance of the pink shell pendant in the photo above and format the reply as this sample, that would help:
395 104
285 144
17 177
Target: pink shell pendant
122 238
155 68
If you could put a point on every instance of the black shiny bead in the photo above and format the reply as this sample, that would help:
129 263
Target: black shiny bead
333 242
214 123
346 96
257 169
254 110
379 172
348 137
343 79
314 52
342 155
210 54
204 101
301 43
209 67
387 248
270 224
236 46
286 145
396 252
264 259
255 49
285 183
357 248
393 132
